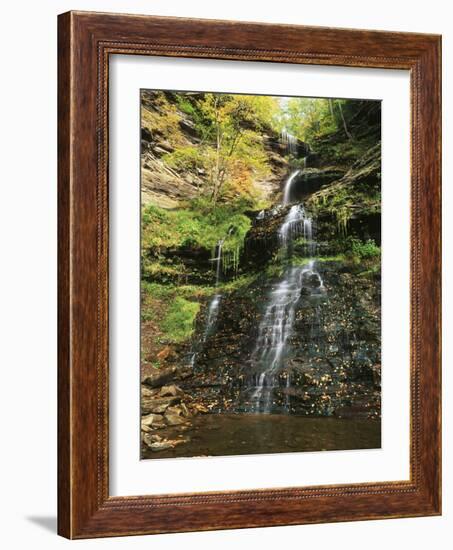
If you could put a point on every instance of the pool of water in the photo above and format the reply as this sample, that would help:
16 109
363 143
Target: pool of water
243 434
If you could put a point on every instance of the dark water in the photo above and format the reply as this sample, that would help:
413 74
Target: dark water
242 434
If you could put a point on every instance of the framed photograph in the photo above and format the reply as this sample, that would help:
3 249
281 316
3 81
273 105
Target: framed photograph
249 275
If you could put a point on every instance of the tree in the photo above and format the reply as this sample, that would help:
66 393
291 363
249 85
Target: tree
306 118
346 131
229 122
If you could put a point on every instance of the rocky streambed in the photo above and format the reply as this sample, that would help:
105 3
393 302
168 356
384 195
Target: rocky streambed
167 412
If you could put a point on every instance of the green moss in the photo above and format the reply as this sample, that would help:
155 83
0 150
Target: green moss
242 282
302 260
198 226
371 272
162 270
185 105
178 323
172 308
169 291
275 269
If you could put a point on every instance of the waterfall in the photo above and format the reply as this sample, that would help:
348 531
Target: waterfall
272 347
287 189
213 308
214 303
273 332
218 260
296 223
275 329
289 141
212 315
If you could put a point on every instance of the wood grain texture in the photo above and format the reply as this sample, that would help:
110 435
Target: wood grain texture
85 42
64 365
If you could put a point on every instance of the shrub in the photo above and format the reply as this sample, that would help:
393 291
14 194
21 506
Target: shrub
363 250
185 159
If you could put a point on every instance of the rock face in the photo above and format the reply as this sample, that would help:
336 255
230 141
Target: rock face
334 368
161 185
351 203
262 242
280 144
166 187
311 180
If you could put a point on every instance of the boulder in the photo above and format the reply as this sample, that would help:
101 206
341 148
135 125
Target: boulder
173 419
151 438
153 421
148 392
198 407
158 405
162 444
172 390
185 410
160 377
157 444
313 281
174 410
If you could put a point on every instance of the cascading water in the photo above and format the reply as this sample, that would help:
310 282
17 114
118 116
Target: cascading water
272 349
214 303
270 369
218 260
288 185
289 141
213 308
296 224
212 315
273 333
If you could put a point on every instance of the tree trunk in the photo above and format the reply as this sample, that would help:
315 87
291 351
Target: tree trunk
347 132
331 110
215 179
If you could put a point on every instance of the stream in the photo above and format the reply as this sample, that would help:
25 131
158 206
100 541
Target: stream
243 434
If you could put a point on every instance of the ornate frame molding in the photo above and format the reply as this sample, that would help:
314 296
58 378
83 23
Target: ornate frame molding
86 40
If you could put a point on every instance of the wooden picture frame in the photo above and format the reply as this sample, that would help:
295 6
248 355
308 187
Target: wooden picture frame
85 41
